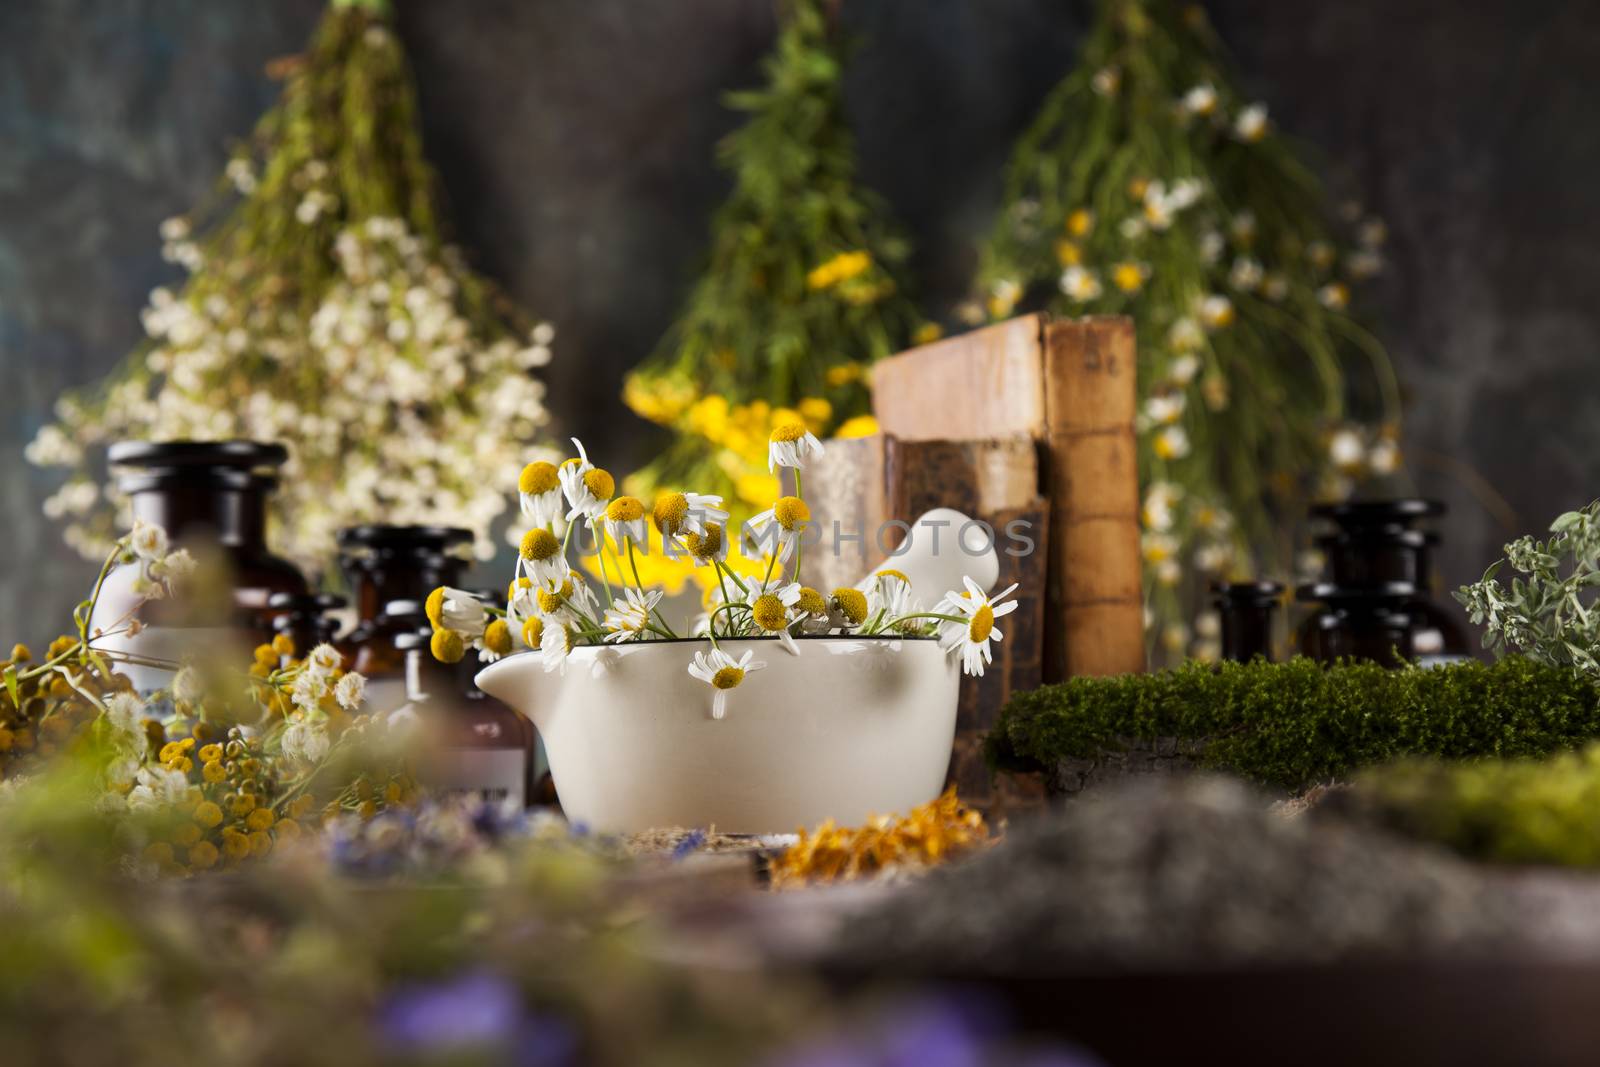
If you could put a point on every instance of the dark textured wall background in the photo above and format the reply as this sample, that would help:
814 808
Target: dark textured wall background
575 138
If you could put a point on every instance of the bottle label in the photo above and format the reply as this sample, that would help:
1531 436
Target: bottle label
498 775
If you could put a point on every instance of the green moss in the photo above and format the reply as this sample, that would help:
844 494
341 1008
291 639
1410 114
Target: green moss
1516 811
1297 723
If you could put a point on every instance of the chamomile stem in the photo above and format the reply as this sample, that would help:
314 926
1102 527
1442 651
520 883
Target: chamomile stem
799 540
722 568
634 563
930 615
600 552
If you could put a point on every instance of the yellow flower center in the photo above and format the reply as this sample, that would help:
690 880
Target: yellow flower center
890 572
539 544
624 509
791 511
537 477
707 545
811 602
600 483
532 632
670 511
853 603
769 612
447 646
1127 276
789 431
517 585
550 600
982 623
727 677
497 637
433 607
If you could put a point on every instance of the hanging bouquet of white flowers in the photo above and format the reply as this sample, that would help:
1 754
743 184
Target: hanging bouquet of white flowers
323 310
552 608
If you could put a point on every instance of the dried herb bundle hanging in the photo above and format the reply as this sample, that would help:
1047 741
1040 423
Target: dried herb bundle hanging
803 289
1147 186
323 309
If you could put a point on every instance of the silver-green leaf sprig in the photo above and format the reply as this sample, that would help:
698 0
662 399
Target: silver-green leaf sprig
1548 612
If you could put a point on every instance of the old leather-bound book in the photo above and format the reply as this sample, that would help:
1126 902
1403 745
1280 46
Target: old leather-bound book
1069 385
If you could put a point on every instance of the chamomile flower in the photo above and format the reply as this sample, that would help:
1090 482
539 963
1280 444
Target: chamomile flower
539 489
785 521
1080 283
521 598
811 607
555 645
789 445
889 596
722 672
1200 100
561 600
707 546
848 607
531 632
496 641
625 522
1216 311
305 743
629 618
1183 369
972 638
680 514
586 487
148 541
1172 443
159 788
351 690
455 609
540 556
325 659
1251 124
772 610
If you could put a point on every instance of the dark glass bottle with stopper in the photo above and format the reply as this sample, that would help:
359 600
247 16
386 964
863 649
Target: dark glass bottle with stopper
1375 546
1247 611
476 745
305 619
1370 623
386 565
211 498
384 658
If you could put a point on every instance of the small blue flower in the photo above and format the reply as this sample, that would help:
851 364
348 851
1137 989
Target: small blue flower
691 843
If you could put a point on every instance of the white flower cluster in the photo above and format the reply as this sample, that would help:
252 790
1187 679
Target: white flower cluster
392 401
551 608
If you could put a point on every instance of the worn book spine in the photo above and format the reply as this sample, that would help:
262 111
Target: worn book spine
1095 616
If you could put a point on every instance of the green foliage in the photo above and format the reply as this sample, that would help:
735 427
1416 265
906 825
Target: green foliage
1551 614
1516 811
802 290
1148 186
1297 723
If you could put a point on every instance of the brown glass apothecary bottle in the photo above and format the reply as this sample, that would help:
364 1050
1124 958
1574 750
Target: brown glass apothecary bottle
387 565
1375 546
476 744
211 498
1246 612
306 619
